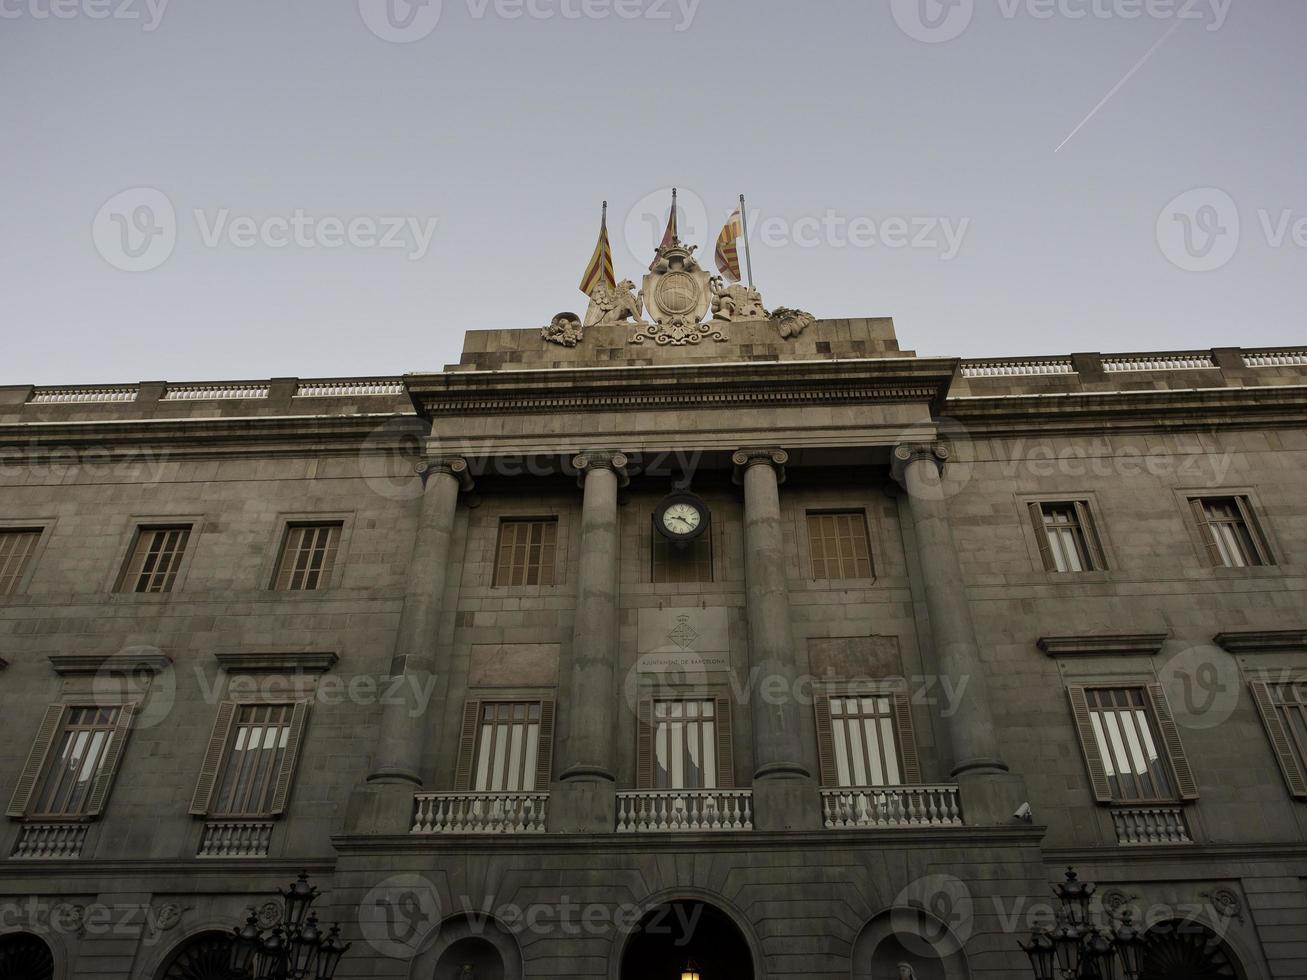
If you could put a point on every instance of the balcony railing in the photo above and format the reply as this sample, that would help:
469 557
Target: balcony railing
891 806
50 840
1151 825
235 839
480 813
684 810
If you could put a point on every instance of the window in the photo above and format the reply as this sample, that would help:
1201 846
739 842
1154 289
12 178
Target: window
1283 708
308 555
839 545
688 563
1230 532
1067 539
525 555
72 762
685 744
866 739
1131 745
17 546
155 559
250 761
506 746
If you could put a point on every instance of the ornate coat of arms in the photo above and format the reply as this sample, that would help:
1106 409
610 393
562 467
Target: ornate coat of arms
677 296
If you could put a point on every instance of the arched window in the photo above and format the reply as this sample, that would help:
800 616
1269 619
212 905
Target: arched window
203 957
25 957
1179 950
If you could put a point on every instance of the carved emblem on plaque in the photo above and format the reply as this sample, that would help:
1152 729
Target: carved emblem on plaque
677 295
683 634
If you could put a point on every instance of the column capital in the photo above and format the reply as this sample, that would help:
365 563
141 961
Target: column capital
600 459
771 456
910 452
455 466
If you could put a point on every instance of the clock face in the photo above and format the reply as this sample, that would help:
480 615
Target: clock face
682 518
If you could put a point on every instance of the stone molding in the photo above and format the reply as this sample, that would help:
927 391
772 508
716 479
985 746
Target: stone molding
907 453
601 459
455 466
258 662
74 664
1100 645
1261 641
756 456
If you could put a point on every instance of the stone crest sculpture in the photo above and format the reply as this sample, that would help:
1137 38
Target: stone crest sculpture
613 304
791 323
736 301
677 295
564 329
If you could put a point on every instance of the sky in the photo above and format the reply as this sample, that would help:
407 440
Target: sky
323 188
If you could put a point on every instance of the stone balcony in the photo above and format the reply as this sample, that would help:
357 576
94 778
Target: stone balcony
46 841
684 810
480 813
1151 825
877 807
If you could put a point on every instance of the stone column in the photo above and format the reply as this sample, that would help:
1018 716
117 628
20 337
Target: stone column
385 803
989 794
784 792
585 799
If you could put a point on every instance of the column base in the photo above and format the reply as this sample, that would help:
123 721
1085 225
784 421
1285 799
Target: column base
583 805
990 797
786 802
380 808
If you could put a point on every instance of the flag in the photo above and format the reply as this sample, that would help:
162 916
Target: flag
728 255
669 236
600 269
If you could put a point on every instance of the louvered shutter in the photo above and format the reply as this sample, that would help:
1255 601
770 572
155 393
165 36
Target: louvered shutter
1041 536
1184 777
825 741
35 764
644 747
1205 532
467 743
213 757
1089 744
281 793
907 738
1090 530
545 746
1255 530
725 744
112 757
1290 765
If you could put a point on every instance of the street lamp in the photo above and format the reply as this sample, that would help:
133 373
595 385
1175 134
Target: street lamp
293 950
1077 949
691 972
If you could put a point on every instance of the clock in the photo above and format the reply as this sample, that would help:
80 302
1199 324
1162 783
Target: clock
681 517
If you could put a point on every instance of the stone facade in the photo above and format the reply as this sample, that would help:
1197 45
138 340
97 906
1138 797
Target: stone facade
942 457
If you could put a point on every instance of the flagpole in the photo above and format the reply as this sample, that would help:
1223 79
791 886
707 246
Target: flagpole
748 255
676 228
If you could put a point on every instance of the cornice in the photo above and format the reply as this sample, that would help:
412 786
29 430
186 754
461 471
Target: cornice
70 664
1103 645
1262 641
252 663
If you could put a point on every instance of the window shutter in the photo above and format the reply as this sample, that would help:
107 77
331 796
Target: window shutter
907 738
825 741
213 756
1089 744
1092 542
35 764
1184 777
725 744
644 747
1294 777
545 746
1205 532
1255 530
298 717
112 756
1041 536
467 743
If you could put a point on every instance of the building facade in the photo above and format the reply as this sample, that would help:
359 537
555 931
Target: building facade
771 647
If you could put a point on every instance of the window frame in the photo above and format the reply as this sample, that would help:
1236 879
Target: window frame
44 527
469 740
706 539
127 548
218 752
1250 512
808 571
501 522
1089 522
1290 753
904 727
288 523
724 731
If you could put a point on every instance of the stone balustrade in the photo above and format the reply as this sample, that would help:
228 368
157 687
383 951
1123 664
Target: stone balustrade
1151 825
235 839
1158 362
46 841
1017 367
218 392
684 810
480 813
348 389
891 806
82 396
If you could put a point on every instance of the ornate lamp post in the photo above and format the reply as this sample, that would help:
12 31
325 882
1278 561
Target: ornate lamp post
1076 948
691 972
295 949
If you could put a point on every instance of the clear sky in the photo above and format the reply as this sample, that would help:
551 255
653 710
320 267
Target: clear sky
239 189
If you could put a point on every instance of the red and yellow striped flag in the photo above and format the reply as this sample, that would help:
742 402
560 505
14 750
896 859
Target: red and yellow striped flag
728 254
600 269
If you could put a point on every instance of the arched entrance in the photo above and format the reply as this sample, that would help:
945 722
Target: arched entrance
675 934
201 957
1179 950
25 957
471 958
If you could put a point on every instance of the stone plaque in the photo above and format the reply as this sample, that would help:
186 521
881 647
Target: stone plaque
513 665
854 656
682 639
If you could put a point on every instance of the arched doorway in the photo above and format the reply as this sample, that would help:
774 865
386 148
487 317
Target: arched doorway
1180 950
202 957
908 942
472 958
675 934
25 957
